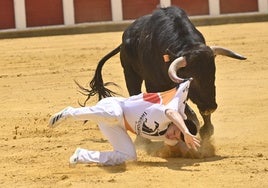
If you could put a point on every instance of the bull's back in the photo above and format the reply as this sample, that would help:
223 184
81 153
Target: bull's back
132 36
147 39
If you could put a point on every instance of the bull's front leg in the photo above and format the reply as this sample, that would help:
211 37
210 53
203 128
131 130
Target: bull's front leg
207 130
191 115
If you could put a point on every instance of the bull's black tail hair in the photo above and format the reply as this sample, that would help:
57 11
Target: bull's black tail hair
96 84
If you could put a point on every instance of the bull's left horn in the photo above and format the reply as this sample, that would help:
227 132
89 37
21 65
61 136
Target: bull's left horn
174 66
217 50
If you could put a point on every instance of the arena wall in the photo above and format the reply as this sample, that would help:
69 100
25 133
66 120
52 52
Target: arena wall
21 15
7 19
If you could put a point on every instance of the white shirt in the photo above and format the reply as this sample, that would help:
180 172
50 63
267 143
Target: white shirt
145 113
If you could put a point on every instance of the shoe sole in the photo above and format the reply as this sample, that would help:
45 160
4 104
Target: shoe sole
57 118
73 161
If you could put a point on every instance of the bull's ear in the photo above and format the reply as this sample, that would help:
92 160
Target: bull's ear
169 55
166 58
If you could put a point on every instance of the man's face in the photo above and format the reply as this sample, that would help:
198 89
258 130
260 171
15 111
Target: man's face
173 132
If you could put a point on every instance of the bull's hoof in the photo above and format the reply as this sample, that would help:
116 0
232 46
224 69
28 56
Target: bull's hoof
206 132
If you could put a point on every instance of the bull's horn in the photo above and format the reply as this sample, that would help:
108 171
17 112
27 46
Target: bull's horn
217 50
174 66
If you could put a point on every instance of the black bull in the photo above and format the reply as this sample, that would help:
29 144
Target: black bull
168 33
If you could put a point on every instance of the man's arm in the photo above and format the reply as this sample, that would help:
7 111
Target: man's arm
190 140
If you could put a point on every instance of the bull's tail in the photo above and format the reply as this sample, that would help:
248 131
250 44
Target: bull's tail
96 84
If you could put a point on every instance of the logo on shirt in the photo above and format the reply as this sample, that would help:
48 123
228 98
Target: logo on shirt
153 130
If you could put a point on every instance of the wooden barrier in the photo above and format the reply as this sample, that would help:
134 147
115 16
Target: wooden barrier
23 14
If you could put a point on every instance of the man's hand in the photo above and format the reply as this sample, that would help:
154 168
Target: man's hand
191 141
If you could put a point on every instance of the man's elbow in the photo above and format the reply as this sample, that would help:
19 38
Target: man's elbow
170 112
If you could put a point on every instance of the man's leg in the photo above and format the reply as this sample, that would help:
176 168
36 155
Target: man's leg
123 148
107 110
109 116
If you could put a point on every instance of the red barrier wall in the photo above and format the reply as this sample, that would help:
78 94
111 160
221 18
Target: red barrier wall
7 16
50 12
44 12
236 6
133 9
91 11
195 7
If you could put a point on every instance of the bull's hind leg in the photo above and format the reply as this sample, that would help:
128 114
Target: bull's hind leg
191 116
133 82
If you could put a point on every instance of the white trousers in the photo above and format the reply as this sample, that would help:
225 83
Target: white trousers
108 114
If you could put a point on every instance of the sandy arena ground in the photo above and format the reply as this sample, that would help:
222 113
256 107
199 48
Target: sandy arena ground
37 79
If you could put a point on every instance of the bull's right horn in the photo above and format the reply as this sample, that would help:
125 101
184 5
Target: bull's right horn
174 66
217 50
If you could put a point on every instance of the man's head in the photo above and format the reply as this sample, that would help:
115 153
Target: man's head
174 133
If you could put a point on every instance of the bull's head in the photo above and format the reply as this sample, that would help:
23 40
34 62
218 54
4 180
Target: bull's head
200 65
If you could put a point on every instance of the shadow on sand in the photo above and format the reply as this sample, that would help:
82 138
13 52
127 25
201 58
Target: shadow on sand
206 153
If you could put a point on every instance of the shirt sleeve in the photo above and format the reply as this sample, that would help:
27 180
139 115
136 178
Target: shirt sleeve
179 101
